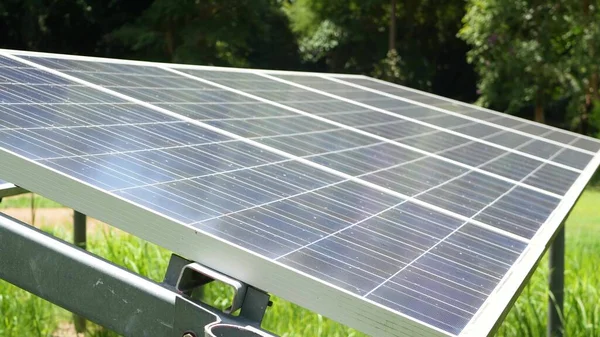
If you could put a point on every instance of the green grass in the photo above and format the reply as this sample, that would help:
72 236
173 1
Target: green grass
24 200
23 314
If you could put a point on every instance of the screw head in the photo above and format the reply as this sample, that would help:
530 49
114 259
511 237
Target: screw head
189 334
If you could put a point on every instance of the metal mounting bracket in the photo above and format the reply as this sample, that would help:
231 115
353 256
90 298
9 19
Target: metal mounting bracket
196 275
185 276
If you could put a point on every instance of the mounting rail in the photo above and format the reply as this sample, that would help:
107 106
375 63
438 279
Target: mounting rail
120 300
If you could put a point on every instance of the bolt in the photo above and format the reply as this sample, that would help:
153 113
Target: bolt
189 334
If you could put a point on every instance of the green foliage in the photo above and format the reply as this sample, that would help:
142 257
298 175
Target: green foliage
23 314
516 49
24 200
536 53
248 33
65 26
594 119
352 36
390 68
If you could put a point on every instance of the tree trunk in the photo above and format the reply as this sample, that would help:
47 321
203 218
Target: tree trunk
539 109
392 42
594 85
591 95
170 42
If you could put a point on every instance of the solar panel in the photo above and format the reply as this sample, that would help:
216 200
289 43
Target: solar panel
397 212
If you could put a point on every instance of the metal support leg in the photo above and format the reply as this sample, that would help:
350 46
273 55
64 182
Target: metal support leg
556 285
79 230
79 240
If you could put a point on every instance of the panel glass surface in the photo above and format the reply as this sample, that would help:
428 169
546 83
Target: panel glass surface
538 149
398 169
278 208
407 132
432 241
588 144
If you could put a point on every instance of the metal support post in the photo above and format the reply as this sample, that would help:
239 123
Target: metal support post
118 299
556 280
79 240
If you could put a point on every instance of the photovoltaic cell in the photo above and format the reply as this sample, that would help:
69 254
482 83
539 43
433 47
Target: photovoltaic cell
416 209
533 129
540 149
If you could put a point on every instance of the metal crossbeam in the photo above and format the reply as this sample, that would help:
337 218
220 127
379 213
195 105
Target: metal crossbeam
112 296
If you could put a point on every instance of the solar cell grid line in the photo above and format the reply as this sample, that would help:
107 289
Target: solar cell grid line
283 106
372 84
395 206
539 149
248 75
97 141
434 246
535 149
375 215
559 135
181 179
505 294
333 95
259 145
151 101
427 252
360 175
525 139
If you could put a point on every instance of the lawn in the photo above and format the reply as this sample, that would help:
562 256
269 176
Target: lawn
22 314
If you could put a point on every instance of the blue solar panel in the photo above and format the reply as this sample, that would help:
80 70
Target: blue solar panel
415 213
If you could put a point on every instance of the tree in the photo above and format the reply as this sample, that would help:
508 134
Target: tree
248 33
354 36
584 33
540 54
519 49
64 26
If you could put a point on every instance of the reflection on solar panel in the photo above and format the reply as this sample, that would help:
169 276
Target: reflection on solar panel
397 212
